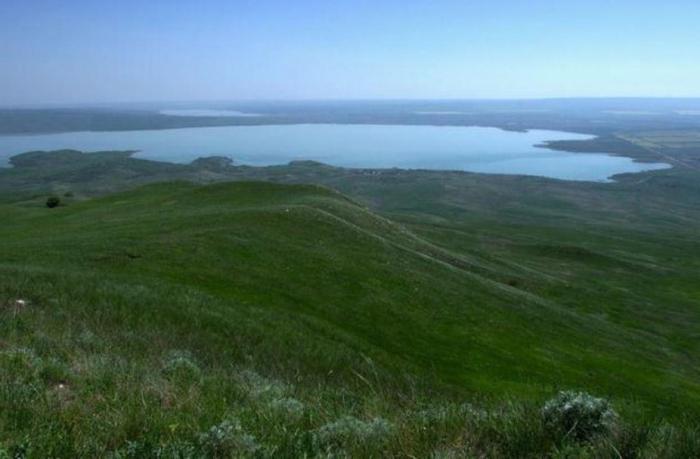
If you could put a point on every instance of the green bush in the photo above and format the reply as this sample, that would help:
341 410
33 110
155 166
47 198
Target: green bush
578 416
53 201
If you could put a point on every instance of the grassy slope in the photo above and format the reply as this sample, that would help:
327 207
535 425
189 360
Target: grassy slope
307 252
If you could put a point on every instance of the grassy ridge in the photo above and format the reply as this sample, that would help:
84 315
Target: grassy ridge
307 251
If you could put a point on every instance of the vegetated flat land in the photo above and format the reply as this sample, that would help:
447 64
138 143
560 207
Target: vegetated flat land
420 288
592 116
668 139
679 146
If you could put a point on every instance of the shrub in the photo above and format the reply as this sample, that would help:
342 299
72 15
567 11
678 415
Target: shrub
53 201
291 408
177 450
260 388
228 439
349 432
179 367
578 415
138 450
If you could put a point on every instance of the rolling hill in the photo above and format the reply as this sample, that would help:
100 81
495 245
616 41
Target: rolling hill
150 315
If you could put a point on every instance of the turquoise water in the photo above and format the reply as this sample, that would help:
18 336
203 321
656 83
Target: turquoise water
474 149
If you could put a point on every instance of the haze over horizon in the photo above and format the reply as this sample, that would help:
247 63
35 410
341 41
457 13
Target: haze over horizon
94 51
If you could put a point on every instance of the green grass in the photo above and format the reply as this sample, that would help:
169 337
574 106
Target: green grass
338 308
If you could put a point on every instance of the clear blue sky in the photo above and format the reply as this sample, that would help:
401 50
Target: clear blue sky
99 51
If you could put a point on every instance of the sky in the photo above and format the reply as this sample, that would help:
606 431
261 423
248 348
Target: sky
89 51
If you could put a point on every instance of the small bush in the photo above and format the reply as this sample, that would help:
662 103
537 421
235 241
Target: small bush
179 367
53 201
261 388
351 433
578 415
138 450
177 450
228 439
291 408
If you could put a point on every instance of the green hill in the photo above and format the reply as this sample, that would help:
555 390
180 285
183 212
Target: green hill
154 314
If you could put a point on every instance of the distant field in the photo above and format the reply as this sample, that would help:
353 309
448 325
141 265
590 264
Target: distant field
680 146
667 139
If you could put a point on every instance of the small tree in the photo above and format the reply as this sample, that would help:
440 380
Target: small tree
52 202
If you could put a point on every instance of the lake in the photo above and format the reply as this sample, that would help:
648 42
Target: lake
475 149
